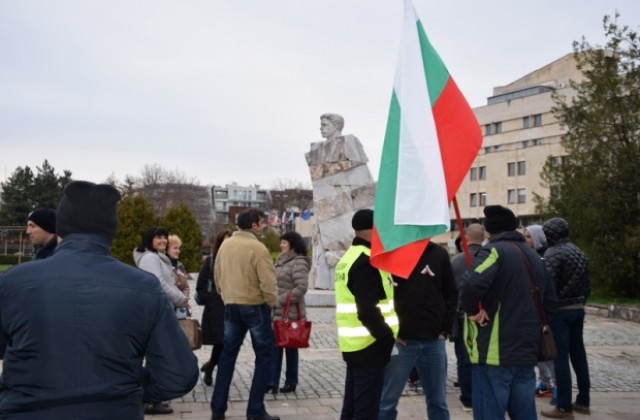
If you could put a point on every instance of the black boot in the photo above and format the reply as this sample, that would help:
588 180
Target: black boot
207 368
288 388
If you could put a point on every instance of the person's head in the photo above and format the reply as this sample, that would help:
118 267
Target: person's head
534 236
86 207
293 241
173 246
458 243
499 219
331 125
475 233
362 223
41 226
555 229
154 240
252 219
220 237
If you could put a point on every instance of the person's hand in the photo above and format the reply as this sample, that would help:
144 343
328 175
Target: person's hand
481 318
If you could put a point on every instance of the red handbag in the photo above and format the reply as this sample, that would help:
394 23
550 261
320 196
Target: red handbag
291 333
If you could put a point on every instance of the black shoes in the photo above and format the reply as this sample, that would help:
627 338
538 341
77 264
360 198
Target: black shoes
207 368
265 416
158 408
288 388
217 417
271 390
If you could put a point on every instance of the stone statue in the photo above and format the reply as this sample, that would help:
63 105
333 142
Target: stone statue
342 184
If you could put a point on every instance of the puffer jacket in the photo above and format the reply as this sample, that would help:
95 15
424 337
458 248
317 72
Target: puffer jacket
292 274
566 263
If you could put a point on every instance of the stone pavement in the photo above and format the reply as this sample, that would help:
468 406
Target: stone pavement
613 347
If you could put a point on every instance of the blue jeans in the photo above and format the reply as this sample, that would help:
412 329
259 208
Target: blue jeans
430 359
291 375
362 389
238 319
567 326
464 367
498 390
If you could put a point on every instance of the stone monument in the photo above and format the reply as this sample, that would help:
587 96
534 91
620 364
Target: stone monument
342 184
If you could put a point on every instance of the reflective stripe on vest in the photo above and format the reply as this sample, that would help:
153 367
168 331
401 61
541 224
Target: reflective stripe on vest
352 335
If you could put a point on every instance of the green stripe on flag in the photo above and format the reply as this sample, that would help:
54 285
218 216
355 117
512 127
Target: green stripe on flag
434 69
391 235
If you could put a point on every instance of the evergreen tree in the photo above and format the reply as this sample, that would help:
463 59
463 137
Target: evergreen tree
179 220
25 191
16 197
271 239
596 187
135 215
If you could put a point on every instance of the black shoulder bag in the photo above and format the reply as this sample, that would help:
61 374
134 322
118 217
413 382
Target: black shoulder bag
547 348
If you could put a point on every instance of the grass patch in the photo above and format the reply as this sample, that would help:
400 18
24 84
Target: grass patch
597 298
4 267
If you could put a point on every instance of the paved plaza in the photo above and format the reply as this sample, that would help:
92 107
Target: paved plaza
613 347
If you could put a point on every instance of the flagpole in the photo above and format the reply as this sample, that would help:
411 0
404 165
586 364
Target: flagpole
463 237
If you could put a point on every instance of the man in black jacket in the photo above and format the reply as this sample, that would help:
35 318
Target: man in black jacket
426 304
366 322
568 268
88 336
41 230
503 345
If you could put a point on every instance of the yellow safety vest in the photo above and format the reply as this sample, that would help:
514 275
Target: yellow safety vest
352 335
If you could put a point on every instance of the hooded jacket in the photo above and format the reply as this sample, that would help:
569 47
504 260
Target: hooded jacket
96 341
566 263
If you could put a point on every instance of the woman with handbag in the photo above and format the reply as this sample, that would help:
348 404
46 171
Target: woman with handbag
213 314
150 256
292 271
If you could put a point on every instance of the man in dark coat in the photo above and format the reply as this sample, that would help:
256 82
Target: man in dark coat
568 269
79 325
41 230
503 345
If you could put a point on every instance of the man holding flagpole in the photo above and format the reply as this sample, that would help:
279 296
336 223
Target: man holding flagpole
432 138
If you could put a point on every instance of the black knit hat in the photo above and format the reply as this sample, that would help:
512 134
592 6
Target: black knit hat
362 219
88 208
499 219
44 218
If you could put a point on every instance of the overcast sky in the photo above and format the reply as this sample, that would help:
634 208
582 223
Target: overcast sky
231 91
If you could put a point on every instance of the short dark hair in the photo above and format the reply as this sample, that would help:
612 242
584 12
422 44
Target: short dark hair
146 244
248 217
295 242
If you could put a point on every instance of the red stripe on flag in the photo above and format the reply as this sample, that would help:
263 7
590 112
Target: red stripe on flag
459 135
399 262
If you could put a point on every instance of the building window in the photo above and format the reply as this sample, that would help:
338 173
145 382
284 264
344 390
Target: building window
487 149
487 129
511 169
522 168
537 142
522 195
537 120
473 174
483 173
497 127
526 122
473 200
525 144
511 196
483 199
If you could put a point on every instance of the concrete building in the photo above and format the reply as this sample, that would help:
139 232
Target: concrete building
519 133
234 195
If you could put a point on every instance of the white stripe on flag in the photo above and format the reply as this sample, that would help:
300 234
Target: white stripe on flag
421 197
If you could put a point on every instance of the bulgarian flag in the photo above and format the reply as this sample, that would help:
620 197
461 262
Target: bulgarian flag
432 138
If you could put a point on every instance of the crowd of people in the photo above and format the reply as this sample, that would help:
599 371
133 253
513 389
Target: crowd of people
120 353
